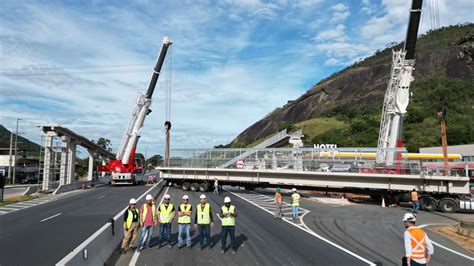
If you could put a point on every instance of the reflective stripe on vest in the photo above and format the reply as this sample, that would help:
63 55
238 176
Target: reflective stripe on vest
165 213
128 223
204 216
418 245
229 220
145 211
185 219
295 199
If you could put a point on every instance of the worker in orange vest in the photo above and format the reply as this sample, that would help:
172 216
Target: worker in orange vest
418 247
278 203
414 201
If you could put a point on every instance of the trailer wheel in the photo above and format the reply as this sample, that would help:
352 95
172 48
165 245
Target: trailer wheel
203 187
194 187
448 205
428 204
185 186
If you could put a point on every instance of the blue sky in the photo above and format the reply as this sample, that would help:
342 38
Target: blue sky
81 63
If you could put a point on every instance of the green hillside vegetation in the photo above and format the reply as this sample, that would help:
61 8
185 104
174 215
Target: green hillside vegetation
31 148
345 108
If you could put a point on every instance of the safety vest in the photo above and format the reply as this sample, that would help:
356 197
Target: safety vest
129 221
229 220
295 199
418 245
414 196
204 216
185 219
145 211
165 213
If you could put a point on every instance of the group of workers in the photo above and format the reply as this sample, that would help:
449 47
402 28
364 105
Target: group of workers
418 247
295 204
149 215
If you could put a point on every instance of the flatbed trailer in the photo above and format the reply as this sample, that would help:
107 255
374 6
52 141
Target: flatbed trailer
446 193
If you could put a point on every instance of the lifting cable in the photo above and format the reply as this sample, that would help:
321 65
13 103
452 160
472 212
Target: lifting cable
168 87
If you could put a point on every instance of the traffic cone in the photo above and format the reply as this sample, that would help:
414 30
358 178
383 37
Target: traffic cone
383 202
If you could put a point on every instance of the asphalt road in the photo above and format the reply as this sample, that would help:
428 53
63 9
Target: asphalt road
44 234
376 233
261 240
14 191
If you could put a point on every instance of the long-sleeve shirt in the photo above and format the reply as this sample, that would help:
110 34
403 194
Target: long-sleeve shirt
408 247
210 214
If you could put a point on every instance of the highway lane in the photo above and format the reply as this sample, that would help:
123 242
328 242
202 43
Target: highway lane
374 232
44 234
261 240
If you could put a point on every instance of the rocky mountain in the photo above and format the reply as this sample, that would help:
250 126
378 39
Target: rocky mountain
348 104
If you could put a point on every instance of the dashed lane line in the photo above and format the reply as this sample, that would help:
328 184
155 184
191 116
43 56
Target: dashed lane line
51 217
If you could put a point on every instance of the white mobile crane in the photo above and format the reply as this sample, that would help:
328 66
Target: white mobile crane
123 169
398 93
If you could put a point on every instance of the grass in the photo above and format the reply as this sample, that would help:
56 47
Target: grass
18 199
317 126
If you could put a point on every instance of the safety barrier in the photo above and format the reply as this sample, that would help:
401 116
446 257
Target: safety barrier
98 248
30 190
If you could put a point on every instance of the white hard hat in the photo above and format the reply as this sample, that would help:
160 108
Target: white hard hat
294 190
167 196
409 217
226 200
149 197
132 201
185 197
202 196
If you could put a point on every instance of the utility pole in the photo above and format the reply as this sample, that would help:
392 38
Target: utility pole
444 141
10 160
16 150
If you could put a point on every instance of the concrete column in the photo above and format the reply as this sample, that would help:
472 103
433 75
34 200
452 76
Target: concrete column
48 149
71 165
103 163
91 167
64 160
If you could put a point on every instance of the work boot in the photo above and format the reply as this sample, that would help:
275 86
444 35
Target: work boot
123 251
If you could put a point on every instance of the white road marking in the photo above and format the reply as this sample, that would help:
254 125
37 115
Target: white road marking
310 232
51 217
134 259
443 247
84 244
101 197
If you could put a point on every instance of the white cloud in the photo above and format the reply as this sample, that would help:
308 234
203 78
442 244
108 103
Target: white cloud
332 62
335 34
340 12
339 7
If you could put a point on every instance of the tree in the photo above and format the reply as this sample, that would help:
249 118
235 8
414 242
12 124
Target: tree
104 143
154 161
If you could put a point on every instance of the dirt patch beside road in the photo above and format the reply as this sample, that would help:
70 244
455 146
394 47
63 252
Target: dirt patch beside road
452 232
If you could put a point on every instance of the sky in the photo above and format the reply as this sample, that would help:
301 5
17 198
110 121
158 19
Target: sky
81 64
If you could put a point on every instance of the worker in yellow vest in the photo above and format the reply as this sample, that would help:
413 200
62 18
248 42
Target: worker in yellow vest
204 220
184 222
147 221
166 215
228 215
130 226
418 247
295 203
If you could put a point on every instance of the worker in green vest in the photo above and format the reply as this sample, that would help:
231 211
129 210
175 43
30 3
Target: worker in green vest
204 220
228 215
166 215
130 226
295 203
184 222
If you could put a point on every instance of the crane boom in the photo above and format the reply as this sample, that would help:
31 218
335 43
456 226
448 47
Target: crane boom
125 165
398 91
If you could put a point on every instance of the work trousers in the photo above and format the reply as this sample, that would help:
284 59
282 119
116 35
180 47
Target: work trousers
204 234
165 227
278 212
184 228
228 230
130 236
295 211
416 206
145 235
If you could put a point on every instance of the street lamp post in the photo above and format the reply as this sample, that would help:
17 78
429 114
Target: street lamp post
16 150
10 159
